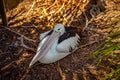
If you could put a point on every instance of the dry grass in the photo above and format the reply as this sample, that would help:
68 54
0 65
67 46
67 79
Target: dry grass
49 12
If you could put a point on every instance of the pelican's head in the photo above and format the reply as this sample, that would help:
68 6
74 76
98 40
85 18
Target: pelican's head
59 28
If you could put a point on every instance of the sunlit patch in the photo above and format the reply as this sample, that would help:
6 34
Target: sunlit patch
23 57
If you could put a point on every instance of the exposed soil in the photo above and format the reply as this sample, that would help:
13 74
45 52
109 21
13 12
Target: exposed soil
18 42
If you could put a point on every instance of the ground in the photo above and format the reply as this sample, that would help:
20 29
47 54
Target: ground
19 41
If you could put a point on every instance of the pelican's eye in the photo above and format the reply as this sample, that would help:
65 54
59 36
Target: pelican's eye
58 29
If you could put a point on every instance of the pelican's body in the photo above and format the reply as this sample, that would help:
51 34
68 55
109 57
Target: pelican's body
56 44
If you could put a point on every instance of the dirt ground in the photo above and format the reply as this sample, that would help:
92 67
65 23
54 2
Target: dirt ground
18 42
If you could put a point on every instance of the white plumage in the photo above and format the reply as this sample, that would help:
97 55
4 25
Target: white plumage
54 47
65 46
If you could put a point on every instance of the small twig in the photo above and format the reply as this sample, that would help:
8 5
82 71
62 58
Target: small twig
22 43
61 73
18 34
25 46
88 44
30 9
85 45
30 26
59 68
52 5
7 66
96 30
20 51
87 22
60 9
25 74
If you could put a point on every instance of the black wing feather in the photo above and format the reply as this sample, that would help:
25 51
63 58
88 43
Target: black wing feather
70 32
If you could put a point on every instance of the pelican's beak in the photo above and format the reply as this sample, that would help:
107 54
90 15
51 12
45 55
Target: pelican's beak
45 47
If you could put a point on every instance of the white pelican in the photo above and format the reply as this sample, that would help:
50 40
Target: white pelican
56 44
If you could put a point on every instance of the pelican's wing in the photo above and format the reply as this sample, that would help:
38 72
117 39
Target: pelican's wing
45 34
67 43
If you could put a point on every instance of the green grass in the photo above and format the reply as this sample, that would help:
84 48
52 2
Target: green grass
106 51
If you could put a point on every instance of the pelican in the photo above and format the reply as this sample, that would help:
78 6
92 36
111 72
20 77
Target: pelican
56 44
